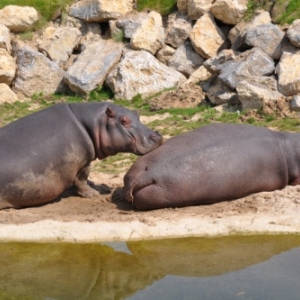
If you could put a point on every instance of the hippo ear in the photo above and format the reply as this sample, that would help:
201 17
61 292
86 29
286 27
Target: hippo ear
110 112
125 121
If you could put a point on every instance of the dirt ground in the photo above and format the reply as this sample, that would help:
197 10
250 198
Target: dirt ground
108 217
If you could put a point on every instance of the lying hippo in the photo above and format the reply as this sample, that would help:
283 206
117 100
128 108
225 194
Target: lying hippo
214 163
44 153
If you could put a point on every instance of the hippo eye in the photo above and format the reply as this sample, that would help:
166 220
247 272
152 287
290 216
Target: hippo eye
125 121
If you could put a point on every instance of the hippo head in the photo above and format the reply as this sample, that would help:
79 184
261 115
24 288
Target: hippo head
122 131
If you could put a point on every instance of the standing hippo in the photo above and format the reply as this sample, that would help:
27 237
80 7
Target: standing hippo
214 163
43 154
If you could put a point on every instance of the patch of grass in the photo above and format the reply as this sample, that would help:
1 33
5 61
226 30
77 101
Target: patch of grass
253 5
114 164
100 94
46 8
119 36
290 13
164 7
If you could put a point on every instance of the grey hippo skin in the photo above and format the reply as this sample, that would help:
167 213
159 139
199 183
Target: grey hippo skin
214 163
44 153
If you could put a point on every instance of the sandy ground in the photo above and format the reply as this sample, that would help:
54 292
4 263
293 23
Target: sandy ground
108 218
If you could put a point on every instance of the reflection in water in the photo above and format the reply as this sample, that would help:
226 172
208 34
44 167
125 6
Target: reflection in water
120 270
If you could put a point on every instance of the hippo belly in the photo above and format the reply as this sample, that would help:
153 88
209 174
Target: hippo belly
210 164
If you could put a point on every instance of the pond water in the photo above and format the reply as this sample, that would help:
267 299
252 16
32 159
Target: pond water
235 267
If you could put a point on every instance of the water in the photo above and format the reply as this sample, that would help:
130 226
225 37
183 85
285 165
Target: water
238 267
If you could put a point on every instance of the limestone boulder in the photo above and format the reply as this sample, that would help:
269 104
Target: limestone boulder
219 94
7 67
58 43
206 36
197 8
130 22
7 95
36 73
229 11
5 39
150 35
165 54
256 91
293 33
18 18
203 77
185 60
141 73
218 63
100 10
92 66
237 33
288 71
251 63
294 103
178 30
267 37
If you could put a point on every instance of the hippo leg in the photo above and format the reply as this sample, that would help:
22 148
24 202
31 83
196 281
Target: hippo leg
84 190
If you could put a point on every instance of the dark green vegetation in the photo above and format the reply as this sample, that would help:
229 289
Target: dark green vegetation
164 7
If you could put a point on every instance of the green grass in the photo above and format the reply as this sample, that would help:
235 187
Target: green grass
46 8
284 11
291 13
163 7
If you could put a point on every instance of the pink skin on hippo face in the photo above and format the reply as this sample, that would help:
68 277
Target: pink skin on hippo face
44 153
214 163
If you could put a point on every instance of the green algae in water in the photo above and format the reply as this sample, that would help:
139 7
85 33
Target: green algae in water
102 271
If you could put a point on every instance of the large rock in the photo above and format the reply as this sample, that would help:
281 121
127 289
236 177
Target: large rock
206 36
130 22
251 63
293 33
18 18
5 39
256 91
178 30
237 33
267 37
219 94
100 10
197 8
185 60
295 103
7 95
165 54
288 71
141 73
150 35
36 73
58 43
92 66
7 67
229 11
203 77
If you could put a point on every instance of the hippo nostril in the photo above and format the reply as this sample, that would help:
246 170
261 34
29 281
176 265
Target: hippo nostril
153 136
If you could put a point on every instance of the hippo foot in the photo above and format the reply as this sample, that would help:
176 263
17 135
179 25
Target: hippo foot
88 192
